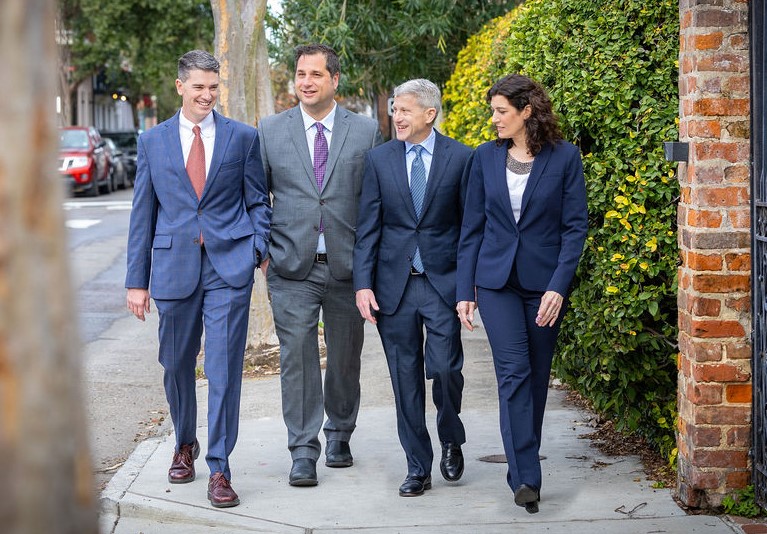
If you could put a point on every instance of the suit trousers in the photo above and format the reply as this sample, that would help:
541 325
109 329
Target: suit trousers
222 311
296 305
441 358
522 355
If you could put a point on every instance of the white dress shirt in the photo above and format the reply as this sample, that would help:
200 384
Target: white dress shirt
311 132
426 154
207 132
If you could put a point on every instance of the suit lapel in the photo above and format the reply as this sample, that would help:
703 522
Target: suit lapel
297 134
439 162
223 135
398 164
340 131
540 162
499 166
172 140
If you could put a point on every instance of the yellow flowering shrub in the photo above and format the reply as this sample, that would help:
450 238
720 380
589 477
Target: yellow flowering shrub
610 69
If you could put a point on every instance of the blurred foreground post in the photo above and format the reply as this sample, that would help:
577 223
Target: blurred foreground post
44 460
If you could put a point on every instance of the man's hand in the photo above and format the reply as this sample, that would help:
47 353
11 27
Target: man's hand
466 313
548 311
366 304
138 302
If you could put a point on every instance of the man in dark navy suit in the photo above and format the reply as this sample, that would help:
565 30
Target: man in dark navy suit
405 275
199 228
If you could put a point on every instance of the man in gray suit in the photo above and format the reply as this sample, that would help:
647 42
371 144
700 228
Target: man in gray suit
313 155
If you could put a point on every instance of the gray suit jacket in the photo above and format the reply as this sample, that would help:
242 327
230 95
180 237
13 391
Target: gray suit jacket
297 204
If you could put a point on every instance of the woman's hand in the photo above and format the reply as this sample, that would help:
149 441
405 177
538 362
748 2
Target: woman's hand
466 313
548 311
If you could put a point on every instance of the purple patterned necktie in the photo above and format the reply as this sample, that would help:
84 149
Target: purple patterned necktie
320 155
320 160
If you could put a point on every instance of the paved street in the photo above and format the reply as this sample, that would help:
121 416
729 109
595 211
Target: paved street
123 381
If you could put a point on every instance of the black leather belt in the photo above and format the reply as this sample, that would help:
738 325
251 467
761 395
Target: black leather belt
321 258
413 272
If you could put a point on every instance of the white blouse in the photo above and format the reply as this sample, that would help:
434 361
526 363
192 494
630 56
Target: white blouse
516 184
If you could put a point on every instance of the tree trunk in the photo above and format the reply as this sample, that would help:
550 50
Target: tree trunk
246 95
44 459
246 92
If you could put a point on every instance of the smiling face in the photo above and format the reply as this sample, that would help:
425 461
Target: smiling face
412 121
315 87
508 120
199 93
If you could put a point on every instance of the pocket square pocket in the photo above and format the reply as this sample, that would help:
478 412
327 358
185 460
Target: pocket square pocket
241 230
161 241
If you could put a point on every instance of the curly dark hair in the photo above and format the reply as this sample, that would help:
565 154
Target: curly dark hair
542 126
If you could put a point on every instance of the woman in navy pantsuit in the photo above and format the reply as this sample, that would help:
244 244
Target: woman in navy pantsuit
524 225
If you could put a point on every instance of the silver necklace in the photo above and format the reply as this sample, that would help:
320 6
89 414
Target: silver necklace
516 166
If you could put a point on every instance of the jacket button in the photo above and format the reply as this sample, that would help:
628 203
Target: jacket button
322 202
196 241
199 213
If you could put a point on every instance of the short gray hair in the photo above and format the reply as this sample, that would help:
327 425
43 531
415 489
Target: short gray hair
196 60
426 93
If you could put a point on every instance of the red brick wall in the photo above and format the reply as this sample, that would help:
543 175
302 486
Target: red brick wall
714 241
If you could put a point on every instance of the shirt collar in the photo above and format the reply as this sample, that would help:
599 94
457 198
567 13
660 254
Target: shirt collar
427 144
207 124
327 121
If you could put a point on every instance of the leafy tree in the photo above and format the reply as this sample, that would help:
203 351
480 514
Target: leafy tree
135 43
610 68
385 42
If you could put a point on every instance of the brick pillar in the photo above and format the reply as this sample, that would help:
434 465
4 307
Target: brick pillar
714 241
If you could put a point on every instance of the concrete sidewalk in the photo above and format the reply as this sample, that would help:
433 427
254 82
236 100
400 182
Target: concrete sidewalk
583 490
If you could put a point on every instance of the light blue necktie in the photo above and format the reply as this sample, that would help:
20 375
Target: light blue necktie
417 191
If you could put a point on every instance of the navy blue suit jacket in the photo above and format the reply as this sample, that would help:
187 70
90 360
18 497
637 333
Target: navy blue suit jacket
547 241
167 218
388 230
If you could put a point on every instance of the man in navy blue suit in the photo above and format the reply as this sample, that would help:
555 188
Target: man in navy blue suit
198 230
405 275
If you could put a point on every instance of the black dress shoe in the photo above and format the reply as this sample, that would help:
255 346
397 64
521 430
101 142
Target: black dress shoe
414 485
303 472
338 454
451 465
528 497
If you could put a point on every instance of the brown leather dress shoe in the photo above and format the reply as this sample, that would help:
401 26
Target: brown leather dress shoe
220 492
182 469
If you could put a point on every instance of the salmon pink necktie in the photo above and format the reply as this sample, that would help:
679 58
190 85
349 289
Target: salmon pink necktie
195 163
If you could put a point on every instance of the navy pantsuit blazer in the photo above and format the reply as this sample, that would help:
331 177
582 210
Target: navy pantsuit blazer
547 241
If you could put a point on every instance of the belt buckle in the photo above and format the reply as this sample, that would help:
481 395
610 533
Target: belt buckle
321 258
413 272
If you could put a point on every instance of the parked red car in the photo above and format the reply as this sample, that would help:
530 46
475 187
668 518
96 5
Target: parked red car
83 160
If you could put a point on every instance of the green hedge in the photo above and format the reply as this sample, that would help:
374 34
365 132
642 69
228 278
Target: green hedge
611 70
